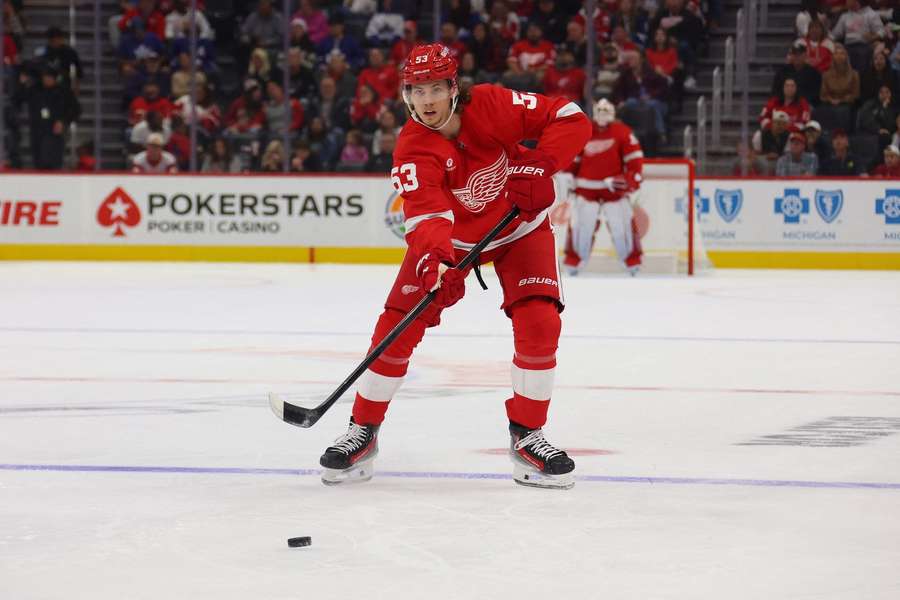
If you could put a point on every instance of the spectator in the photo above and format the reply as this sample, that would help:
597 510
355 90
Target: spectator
338 40
528 60
841 163
384 159
576 41
450 38
565 79
402 47
180 143
809 12
181 79
387 124
206 112
150 69
12 24
819 48
300 36
797 161
315 19
890 168
469 73
748 163
150 18
771 141
639 84
387 26
808 80
304 160
877 75
878 116
360 7
153 123
276 111
154 159
87 162
206 52
552 22
273 157
687 30
250 102
332 109
344 79
789 102
324 142
354 155
487 49
815 142
138 43
896 139
365 109
461 15
635 20
302 79
609 72
60 57
10 51
51 109
382 77
858 28
504 22
663 57
260 68
840 83
619 39
602 22
178 23
219 158
263 28
150 99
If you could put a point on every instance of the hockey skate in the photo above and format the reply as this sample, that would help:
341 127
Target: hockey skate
351 459
536 462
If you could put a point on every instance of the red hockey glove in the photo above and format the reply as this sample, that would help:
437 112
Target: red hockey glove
530 183
434 274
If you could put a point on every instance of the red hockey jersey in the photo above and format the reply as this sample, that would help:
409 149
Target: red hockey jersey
454 190
611 151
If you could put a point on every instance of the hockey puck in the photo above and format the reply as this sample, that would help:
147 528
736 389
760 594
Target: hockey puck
300 542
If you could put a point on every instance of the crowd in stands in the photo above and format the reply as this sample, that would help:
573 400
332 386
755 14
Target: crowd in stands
342 110
835 105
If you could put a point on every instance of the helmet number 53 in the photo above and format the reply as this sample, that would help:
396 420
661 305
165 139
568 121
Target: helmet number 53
409 181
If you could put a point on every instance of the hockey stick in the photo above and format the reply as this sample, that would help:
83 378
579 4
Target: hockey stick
307 417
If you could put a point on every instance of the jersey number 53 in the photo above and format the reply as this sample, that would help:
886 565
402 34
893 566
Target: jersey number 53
409 182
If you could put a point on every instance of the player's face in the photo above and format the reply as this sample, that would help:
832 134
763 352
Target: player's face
431 101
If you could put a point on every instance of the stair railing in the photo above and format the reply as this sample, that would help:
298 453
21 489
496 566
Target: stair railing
701 133
688 143
716 125
728 104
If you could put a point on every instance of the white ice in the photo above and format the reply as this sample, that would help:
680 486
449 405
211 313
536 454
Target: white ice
167 365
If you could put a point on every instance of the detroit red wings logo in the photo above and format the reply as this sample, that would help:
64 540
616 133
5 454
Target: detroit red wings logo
598 146
484 185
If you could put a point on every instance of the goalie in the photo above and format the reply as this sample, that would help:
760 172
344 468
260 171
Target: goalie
607 172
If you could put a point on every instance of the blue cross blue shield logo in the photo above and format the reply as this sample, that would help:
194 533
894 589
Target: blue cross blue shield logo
792 205
829 204
889 206
701 205
728 204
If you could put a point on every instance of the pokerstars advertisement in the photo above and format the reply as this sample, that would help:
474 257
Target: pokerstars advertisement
205 211
795 214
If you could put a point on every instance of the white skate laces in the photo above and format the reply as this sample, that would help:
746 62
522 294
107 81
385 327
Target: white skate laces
542 448
352 440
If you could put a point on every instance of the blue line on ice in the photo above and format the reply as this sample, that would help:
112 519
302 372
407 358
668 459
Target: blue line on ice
366 334
449 475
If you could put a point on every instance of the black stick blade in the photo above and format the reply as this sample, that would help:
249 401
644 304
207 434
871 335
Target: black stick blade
291 413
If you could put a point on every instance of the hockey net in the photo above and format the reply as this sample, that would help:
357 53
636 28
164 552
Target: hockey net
672 243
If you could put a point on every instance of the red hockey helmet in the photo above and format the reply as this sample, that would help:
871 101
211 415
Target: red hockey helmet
429 62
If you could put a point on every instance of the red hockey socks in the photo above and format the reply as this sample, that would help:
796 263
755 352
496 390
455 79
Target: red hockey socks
377 386
536 328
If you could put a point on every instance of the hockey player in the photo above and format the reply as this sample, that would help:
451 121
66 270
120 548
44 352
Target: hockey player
606 172
460 169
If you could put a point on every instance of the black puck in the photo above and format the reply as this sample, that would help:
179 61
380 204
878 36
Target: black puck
299 542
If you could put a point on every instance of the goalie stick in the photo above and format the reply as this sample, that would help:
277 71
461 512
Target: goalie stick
307 417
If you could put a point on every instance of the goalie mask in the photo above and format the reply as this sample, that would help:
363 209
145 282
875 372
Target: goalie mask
604 112
426 63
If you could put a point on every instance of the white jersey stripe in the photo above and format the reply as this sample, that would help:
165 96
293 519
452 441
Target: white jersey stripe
591 184
413 222
633 155
568 110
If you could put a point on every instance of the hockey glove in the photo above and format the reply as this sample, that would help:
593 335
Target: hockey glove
434 274
530 183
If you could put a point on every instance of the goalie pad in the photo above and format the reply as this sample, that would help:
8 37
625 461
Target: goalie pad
585 214
618 217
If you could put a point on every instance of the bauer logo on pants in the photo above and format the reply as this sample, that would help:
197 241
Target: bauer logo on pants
538 281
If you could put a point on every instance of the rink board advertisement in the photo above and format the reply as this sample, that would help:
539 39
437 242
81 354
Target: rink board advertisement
815 223
184 217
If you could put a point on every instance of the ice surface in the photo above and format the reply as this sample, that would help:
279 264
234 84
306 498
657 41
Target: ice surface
140 459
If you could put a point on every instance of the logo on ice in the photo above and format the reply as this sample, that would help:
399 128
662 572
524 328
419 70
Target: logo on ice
829 204
118 209
792 205
729 203
889 206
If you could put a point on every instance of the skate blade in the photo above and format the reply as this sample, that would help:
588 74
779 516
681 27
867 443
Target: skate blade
359 473
533 478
